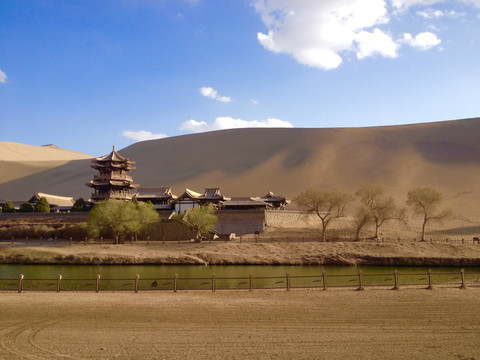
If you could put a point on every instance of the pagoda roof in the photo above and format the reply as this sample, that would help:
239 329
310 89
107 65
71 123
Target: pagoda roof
244 202
271 197
53 200
212 193
114 156
156 192
120 183
190 194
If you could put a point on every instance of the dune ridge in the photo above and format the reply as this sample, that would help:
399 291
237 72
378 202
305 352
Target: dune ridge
250 162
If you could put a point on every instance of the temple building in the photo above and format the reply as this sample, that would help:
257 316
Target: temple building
212 196
161 197
112 180
273 201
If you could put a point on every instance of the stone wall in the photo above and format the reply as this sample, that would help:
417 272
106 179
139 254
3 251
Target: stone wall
240 222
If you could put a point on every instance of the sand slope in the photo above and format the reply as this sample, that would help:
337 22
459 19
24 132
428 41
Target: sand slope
50 169
10 151
444 155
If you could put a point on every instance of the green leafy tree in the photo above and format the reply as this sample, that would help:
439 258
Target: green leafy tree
79 205
42 206
326 204
425 202
26 207
119 219
381 208
8 207
202 219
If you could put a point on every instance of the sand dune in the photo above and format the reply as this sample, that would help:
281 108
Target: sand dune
444 155
10 151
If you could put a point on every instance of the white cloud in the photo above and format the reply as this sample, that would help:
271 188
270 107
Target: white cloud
142 135
254 101
422 41
437 14
403 5
376 42
226 122
316 33
321 33
212 94
3 77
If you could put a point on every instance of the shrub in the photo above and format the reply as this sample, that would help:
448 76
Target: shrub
26 207
42 206
8 207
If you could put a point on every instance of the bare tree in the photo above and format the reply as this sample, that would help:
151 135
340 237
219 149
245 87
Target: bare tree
326 204
425 202
381 208
361 218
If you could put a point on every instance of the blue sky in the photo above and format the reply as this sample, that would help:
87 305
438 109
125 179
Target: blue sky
88 74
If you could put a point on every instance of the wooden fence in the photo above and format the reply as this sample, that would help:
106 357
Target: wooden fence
322 281
225 238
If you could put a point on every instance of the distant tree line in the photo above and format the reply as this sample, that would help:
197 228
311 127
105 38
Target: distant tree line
42 206
376 208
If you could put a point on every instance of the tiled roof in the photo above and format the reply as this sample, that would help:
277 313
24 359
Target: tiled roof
53 199
155 192
113 156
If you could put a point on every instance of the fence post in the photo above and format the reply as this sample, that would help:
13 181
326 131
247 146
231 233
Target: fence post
55 240
463 241
324 279
41 240
395 277
429 287
251 282
462 275
20 283
97 289
70 241
148 240
288 281
86 240
59 280
214 282
101 240
137 277
360 280
175 278
13 240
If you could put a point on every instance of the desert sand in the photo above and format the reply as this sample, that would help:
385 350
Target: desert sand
10 151
251 162
299 324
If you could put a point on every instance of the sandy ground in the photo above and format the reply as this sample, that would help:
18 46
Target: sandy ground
300 324
234 253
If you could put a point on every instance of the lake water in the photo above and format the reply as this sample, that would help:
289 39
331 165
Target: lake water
161 277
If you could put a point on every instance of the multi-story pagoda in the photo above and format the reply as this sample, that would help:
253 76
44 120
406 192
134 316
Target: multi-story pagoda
112 181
